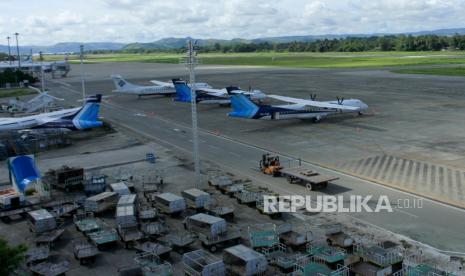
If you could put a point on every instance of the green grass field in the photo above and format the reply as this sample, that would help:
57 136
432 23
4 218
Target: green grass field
316 60
446 71
15 92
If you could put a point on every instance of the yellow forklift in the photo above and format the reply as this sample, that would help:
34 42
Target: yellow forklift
270 165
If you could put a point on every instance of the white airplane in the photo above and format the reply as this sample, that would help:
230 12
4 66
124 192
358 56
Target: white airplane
298 108
78 118
213 96
160 88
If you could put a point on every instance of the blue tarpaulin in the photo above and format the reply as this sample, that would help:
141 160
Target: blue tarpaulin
24 171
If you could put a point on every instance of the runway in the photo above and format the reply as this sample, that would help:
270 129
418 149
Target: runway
219 143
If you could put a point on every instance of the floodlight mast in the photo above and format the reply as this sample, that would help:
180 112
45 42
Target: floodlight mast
41 58
9 49
191 62
83 86
17 51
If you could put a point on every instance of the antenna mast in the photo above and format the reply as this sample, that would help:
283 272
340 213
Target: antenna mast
191 62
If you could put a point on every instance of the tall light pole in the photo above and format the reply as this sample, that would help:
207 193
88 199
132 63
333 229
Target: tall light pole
17 51
9 49
191 62
83 86
41 58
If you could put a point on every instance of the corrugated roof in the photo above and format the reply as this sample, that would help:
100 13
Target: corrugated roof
206 218
119 186
40 214
127 199
170 197
195 192
101 196
243 252
127 210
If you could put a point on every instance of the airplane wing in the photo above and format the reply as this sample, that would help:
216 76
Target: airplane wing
162 83
313 103
214 92
40 120
239 91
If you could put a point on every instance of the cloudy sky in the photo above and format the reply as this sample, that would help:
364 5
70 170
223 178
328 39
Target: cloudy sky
46 22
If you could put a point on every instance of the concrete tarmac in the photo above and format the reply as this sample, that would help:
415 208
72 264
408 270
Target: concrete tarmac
410 118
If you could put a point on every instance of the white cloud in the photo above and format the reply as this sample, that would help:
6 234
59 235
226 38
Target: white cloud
144 21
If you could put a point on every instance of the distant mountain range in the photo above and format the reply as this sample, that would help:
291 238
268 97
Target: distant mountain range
64 47
175 43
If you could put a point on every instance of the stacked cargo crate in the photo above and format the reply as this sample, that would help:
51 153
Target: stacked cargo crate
41 221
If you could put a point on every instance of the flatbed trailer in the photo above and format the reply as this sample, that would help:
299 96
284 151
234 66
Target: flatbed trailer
160 250
178 241
84 252
153 228
37 254
231 237
220 211
85 222
147 213
307 178
129 236
260 205
50 269
335 236
49 238
65 178
65 209
6 216
234 188
102 237
248 197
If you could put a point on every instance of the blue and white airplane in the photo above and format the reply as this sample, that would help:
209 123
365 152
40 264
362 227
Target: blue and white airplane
298 109
159 87
73 119
213 96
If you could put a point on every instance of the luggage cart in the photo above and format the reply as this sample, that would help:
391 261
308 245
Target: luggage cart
84 252
178 241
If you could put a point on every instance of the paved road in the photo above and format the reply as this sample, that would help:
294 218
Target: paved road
435 224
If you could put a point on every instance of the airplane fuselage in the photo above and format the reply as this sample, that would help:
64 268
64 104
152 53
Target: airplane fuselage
46 120
74 118
148 90
247 109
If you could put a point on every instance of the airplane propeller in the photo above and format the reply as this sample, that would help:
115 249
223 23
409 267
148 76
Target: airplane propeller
312 97
340 101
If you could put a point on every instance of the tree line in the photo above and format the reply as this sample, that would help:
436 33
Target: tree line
14 76
352 44
349 44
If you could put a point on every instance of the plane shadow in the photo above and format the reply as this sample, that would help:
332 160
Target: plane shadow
353 121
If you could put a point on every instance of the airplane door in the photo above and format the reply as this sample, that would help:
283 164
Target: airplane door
275 116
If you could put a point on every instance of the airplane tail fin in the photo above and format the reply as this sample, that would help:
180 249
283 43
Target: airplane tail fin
87 116
232 88
121 83
243 107
183 91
